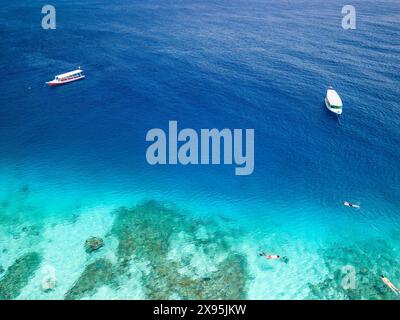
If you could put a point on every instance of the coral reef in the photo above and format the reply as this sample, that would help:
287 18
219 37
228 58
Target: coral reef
96 274
145 233
368 261
170 253
18 275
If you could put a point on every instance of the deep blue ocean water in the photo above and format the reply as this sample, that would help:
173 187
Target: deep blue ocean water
208 64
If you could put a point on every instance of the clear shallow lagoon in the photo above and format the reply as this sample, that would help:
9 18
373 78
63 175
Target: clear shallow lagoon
71 156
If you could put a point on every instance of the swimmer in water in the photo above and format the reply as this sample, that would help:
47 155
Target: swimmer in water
390 285
269 256
348 204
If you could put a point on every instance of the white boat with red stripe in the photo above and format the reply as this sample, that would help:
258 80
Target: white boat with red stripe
66 78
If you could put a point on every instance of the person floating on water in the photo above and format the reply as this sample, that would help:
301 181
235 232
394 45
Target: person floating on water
270 256
390 285
273 257
351 205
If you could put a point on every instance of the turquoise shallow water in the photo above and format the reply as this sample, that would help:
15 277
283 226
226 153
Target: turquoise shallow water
208 235
71 157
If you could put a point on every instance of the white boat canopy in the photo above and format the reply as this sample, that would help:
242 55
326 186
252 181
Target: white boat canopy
333 98
68 74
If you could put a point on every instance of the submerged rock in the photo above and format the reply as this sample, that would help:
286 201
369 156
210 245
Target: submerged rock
93 244
24 189
49 284
95 275
2 270
18 275
4 204
31 230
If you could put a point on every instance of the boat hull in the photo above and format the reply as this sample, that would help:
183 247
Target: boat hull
335 111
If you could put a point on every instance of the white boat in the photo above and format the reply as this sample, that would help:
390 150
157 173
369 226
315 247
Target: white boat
66 78
333 101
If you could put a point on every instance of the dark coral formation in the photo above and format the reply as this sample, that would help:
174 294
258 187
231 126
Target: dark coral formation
144 234
18 274
95 275
369 260
227 283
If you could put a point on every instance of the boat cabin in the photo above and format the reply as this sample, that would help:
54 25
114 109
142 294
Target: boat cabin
70 75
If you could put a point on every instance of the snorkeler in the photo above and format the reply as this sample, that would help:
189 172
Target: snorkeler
269 256
348 204
390 285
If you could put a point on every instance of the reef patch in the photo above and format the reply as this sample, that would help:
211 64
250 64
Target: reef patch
367 260
95 275
18 274
146 233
